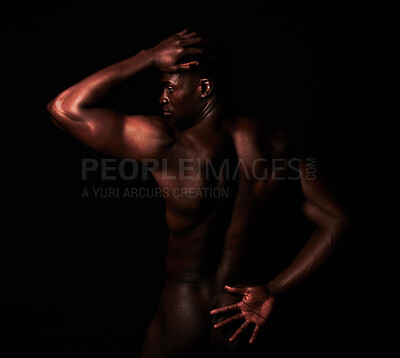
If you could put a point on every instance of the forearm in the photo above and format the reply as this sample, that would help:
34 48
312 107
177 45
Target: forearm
91 90
310 259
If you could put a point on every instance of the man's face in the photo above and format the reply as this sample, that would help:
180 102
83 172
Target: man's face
181 97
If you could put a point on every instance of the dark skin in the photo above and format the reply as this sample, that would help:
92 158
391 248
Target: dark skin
211 240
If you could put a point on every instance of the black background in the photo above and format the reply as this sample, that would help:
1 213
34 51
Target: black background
81 277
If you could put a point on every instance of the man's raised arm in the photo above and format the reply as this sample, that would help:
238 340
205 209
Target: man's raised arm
76 110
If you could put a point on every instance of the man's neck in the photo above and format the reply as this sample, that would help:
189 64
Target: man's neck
211 112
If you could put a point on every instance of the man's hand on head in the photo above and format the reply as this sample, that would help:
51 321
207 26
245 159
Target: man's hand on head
167 53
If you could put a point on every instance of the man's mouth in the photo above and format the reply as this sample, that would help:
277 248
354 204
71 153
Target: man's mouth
166 112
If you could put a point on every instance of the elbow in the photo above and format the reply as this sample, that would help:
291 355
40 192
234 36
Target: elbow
57 107
337 223
60 112
334 221
56 113
343 220
340 226
51 108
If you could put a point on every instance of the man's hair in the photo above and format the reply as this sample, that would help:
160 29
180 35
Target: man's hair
213 64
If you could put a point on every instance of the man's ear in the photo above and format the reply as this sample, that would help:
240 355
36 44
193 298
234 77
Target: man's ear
206 87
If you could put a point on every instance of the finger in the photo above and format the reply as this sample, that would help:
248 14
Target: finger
228 320
239 331
186 66
189 35
233 307
192 63
192 51
236 290
255 332
181 33
192 41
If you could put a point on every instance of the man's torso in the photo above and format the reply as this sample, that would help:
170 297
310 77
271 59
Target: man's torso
225 182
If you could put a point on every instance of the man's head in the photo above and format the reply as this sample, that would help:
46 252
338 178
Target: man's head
186 95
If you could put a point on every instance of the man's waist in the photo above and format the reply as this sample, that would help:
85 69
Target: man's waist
189 275
206 276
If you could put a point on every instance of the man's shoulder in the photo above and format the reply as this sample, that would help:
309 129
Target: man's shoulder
255 125
261 133
240 123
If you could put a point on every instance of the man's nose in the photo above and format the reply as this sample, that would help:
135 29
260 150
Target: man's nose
163 99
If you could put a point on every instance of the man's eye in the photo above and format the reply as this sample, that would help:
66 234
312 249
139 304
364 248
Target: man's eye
169 89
